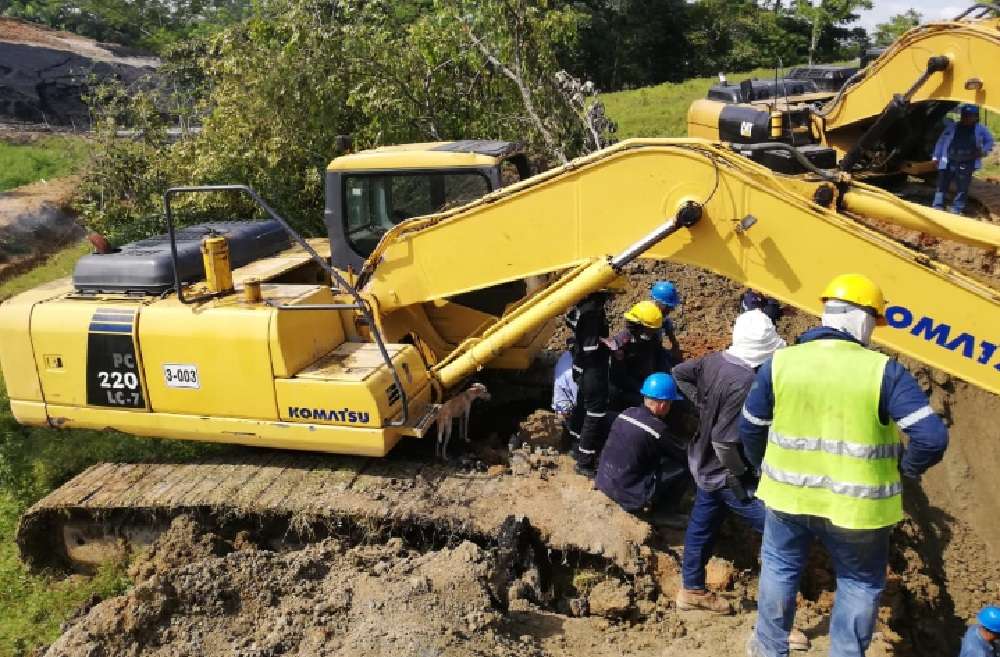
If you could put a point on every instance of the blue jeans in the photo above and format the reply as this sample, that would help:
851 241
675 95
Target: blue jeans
961 174
707 514
859 560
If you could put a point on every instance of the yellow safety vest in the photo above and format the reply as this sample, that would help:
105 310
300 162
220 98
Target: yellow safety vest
828 454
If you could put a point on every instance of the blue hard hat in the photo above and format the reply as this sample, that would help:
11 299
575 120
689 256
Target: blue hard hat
989 618
969 108
660 385
665 292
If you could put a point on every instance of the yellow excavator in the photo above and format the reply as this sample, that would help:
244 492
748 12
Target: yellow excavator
883 121
247 333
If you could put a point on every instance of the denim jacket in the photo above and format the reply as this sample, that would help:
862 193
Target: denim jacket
984 142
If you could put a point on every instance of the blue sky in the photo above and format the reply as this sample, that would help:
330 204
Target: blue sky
930 9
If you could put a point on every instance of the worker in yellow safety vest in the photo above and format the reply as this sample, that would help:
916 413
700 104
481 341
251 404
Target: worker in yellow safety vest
821 423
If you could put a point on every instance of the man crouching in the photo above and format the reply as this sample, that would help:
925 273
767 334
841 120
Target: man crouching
643 467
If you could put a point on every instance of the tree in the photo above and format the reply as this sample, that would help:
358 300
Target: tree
151 24
738 35
824 14
276 89
886 33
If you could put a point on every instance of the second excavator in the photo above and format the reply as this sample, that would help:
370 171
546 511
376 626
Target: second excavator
882 122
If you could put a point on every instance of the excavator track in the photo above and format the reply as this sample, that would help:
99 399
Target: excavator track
289 498
986 192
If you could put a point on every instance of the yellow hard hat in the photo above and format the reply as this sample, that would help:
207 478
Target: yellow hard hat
857 289
646 313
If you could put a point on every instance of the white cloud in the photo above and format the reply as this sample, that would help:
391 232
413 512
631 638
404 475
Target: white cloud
930 9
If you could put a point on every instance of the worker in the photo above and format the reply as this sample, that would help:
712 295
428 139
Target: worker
959 153
564 388
827 411
718 384
983 638
590 369
751 300
666 297
642 467
564 391
636 352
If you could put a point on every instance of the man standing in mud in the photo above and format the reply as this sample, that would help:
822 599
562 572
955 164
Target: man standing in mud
821 422
718 384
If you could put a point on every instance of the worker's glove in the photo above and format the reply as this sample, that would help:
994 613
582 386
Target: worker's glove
743 486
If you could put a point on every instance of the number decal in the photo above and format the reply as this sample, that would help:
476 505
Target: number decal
181 376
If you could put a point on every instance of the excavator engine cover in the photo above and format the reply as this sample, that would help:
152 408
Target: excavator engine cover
144 267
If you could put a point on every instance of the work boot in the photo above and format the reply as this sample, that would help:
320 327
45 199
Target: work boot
585 470
700 599
797 640
938 203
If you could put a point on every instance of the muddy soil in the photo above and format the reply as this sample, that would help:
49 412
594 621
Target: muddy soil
197 594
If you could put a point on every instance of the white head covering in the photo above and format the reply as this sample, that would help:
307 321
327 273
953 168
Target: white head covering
754 338
851 319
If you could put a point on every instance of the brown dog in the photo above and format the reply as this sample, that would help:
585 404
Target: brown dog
457 408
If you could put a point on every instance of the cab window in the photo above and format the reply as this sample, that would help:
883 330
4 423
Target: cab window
374 203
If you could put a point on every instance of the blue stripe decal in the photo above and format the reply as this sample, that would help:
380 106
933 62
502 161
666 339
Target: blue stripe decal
121 319
111 328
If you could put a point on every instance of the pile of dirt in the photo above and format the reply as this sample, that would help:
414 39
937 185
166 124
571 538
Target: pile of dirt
196 594
46 73
35 220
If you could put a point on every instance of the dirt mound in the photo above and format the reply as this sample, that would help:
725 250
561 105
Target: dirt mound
325 599
35 220
45 73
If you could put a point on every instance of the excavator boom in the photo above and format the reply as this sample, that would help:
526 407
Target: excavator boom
757 228
969 76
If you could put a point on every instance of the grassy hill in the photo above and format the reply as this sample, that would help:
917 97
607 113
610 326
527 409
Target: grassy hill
42 159
661 111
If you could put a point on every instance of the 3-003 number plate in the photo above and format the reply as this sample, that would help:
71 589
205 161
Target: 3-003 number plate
181 376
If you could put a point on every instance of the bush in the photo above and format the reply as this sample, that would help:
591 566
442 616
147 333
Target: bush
273 92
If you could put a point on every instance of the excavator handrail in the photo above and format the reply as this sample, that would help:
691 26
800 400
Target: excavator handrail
359 302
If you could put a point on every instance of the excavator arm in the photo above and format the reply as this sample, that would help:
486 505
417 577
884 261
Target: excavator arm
945 61
700 204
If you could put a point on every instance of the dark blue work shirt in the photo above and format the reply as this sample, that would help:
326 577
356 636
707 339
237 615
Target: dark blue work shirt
630 461
963 145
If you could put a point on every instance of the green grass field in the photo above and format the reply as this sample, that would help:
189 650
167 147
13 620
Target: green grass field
661 111
34 461
49 157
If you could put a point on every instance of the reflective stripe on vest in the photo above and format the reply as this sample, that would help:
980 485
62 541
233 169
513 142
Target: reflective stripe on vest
828 454
837 447
838 487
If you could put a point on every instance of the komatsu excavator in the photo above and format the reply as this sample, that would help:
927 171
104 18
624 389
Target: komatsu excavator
884 120
348 345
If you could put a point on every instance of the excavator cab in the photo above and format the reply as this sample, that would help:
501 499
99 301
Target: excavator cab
369 192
